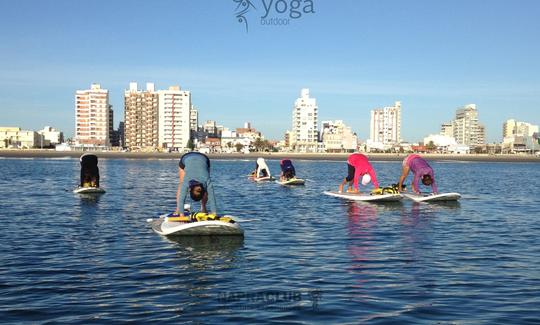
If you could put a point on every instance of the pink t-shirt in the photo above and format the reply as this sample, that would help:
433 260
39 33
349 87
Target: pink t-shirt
361 167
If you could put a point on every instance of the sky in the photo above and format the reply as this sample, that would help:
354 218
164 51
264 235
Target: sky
354 56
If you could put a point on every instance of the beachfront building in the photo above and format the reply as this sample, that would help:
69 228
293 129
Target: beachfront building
304 134
121 137
51 136
112 134
441 143
14 137
385 126
447 129
92 116
337 137
466 128
520 137
175 118
512 127
141 117
193 122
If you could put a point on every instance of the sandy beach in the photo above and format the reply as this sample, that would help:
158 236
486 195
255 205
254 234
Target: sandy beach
38 153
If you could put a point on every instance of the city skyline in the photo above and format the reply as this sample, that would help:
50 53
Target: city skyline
433 57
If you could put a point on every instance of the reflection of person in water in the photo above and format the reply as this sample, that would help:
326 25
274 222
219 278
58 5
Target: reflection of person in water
361 219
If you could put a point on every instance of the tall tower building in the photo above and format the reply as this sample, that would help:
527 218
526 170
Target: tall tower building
92 116
385 125
467 130
304 135
193 122
174 117
112 136
141 117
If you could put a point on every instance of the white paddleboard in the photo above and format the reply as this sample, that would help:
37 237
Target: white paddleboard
292 181
367 198
199 228
441 197
264 179
88 190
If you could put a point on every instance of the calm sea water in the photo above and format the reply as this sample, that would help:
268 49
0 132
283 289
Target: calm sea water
307 258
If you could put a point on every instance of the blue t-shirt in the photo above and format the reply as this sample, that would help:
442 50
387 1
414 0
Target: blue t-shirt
196 167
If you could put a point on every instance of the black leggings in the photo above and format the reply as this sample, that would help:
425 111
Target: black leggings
350 172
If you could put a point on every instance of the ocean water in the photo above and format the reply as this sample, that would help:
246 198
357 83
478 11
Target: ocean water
306 258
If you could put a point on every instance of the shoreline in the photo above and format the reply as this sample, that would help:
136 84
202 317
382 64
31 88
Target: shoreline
46 153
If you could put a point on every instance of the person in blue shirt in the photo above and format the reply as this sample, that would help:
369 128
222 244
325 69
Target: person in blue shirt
287 170
194 173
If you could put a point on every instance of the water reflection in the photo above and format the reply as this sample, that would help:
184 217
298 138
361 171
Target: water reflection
362 218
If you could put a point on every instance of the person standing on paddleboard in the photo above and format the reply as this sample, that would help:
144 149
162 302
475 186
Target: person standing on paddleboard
421 170
358 167
194 173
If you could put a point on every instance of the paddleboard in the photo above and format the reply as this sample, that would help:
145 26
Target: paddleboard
441 197
264 179
165 227
88 190
292 181
367 198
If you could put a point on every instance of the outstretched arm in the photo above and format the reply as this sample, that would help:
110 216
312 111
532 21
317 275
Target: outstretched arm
209 197
340 188
404 174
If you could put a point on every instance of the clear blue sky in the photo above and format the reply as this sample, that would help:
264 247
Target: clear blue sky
434 56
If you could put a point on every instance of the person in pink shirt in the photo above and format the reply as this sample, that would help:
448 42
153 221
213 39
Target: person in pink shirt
421 170
358 167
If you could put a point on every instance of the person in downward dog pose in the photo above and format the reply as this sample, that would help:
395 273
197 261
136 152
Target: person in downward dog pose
89 171
261 169
194 174
421 170
287 170
358 168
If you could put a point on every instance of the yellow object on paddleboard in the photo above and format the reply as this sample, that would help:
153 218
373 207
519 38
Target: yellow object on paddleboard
199 216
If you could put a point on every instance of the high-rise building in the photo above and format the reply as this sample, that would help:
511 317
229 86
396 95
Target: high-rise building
385 126
112 136
121 137
304 135
141 117
193 122
337 137
174 118
92 116
466 128
447 129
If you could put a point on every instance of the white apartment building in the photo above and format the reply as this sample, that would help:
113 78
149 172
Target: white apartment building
466 128
304 134
13 137
520 137
385 125
512 127
141 117
193 119
51 135
92 116
447 129
174 118
337 137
